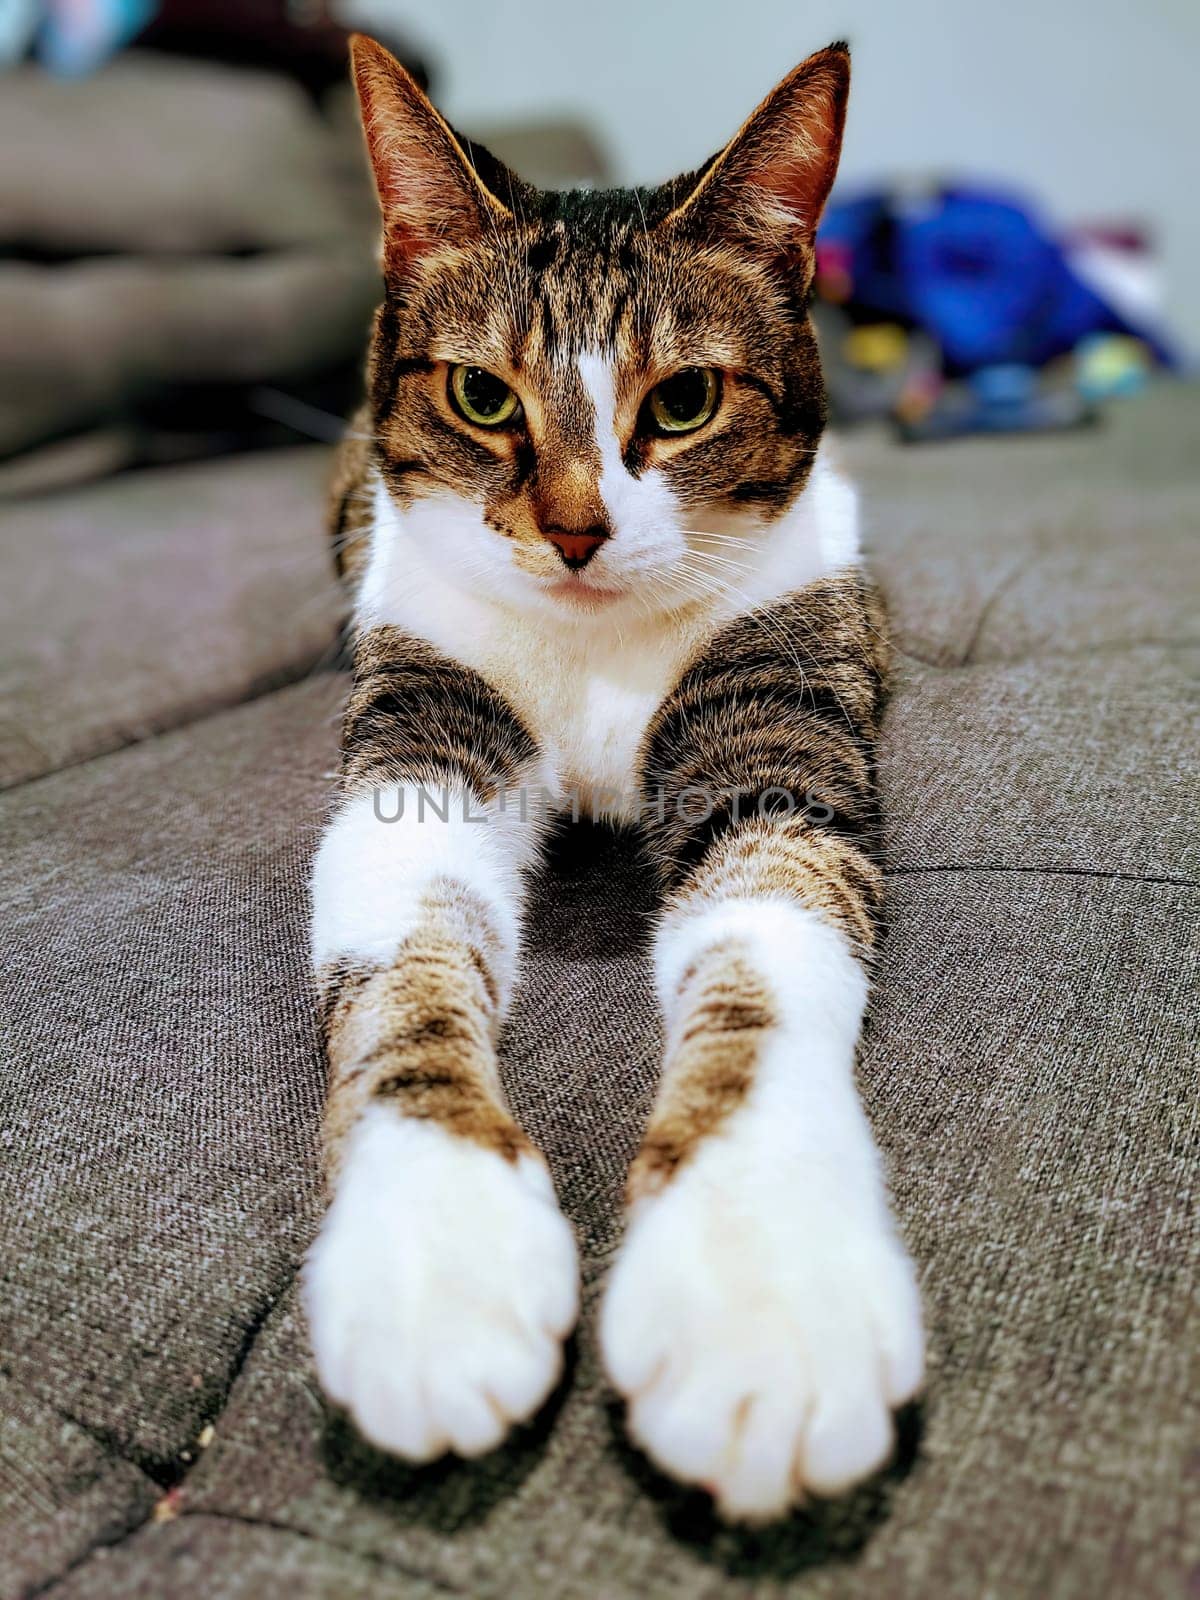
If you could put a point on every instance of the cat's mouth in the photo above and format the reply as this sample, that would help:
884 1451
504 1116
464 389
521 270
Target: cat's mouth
581 595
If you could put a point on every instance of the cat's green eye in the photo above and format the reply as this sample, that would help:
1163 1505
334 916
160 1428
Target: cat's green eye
481 397
685 401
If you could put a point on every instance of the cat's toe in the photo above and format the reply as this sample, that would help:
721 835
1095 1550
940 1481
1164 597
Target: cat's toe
761 1361
439 1290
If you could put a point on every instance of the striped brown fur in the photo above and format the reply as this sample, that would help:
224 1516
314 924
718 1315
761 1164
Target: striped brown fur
790 700
727 1012
786 699
420 1033
350 515
417 716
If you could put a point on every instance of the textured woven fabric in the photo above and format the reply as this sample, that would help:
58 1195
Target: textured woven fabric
998 549
1029 1069
144 602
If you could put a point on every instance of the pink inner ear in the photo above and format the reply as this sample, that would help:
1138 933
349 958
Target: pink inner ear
780 168
790 185
781 203
416 193
424 190
801 176
417 209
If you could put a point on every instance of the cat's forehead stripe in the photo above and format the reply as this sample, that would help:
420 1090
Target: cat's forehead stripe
597 381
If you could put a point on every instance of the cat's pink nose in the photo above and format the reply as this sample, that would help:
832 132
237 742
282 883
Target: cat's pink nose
576 549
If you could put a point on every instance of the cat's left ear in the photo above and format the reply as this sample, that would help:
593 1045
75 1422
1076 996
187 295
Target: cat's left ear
429 191
769 185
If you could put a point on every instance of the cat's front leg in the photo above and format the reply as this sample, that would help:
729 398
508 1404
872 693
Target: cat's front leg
763 1318
444 1277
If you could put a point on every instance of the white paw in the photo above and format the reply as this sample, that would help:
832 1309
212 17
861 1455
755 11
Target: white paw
761 1331
439 1290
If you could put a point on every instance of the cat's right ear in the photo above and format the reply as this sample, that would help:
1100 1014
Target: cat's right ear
429 192
768 186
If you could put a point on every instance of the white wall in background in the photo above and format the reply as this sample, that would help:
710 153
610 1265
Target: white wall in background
1091 105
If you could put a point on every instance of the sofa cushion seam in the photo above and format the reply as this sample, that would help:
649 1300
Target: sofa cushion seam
1040 870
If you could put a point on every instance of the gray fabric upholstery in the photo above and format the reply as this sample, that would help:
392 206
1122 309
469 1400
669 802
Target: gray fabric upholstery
238 161
95 337
232 245
147 600
1029 1068
1000 549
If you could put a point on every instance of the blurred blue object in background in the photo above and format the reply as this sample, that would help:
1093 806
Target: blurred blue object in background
974 269
77 37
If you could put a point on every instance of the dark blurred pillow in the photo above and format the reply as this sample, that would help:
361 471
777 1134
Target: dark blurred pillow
119 338
180 241
159 155
174 228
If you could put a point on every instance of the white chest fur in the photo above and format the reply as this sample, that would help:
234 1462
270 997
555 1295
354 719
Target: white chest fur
586 695
584 686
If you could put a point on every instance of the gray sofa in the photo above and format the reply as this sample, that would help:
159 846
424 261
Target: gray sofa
1030 1065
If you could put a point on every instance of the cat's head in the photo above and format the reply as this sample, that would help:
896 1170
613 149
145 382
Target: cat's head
588 403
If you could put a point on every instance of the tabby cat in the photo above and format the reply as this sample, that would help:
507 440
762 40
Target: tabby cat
598 555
